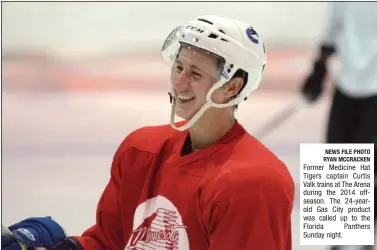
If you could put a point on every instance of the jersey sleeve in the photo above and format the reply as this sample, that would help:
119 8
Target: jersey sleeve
253 213
333 25
106 233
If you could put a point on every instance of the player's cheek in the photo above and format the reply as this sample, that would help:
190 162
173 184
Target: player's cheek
217 96
196 90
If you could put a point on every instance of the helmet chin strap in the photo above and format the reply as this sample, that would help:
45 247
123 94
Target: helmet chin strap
192 121
209 103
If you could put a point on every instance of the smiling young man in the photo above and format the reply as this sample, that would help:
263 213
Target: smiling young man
202 183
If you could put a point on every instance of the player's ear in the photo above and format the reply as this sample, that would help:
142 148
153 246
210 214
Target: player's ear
233 87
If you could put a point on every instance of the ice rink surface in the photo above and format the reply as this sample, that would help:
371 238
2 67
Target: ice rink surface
57 148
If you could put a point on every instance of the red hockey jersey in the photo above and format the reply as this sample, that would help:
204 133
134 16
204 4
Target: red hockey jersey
235 194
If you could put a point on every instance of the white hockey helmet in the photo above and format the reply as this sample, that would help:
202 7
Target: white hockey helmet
236 43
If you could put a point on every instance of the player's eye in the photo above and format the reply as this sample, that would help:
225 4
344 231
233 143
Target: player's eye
196 75
178 68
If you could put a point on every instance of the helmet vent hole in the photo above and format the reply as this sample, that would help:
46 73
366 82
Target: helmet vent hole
206 21
222 39
213 36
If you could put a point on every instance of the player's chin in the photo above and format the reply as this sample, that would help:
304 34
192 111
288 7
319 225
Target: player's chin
185 112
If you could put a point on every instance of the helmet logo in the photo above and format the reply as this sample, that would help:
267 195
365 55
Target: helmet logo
194 28
252 35
224 74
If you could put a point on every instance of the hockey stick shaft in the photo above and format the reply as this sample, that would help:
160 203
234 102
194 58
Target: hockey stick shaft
281 117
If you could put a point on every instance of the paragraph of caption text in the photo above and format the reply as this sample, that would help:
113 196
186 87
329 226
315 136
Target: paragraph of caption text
336 194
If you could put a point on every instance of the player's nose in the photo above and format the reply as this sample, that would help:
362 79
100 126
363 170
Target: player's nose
181 81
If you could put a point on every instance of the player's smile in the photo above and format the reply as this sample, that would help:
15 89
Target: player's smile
184 105
185 99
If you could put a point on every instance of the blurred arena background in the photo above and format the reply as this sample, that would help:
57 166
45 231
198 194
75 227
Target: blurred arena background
78 77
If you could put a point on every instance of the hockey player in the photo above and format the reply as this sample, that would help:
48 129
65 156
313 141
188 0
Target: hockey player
201 183
351 34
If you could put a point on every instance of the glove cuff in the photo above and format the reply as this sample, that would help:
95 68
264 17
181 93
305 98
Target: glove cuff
69 243
74 243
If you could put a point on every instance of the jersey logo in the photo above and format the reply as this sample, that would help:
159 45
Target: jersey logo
158 225
252 35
